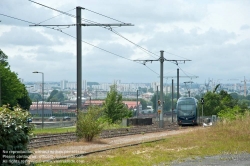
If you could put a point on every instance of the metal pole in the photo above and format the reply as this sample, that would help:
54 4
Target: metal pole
177 84
51 108
161 88
37 107
202 113
79 59
190 88
43 100
172 100
156 106
137 109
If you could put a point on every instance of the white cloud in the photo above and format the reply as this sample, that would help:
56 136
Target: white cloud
25 37
213 34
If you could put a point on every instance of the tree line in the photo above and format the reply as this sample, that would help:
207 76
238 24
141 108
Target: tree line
12 91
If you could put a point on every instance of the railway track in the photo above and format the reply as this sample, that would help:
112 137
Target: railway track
55 139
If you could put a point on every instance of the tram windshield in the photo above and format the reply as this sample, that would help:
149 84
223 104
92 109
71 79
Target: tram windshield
186 108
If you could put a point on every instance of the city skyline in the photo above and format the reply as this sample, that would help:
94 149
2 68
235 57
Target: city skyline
64 85
129 90
214 35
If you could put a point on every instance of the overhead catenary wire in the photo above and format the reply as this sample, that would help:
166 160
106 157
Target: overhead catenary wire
143 49
98 47
93 22
73 37
185 72
16 18
175 55
71 15
104 15
152 70
54 16
110 29
70 36
109 52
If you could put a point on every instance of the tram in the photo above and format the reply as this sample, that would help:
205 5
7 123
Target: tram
187 111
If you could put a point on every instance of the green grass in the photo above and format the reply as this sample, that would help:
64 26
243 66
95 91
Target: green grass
37 131
225 137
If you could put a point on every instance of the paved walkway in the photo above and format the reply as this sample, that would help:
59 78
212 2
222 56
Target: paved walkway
241 159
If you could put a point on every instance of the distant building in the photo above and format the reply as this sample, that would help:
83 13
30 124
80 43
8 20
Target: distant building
64 84
71 85
49 108
131 105
84 85
147 96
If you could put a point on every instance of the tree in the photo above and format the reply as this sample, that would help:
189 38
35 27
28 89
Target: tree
3 58
35 97
52 94
248 97
59 96
234 95
56 96
25 100
143 103
13 91
216 102
151 90
113 107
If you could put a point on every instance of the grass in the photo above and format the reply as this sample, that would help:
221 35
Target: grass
225 137
38 131
54 130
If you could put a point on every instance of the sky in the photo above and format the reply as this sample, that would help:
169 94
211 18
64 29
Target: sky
213 36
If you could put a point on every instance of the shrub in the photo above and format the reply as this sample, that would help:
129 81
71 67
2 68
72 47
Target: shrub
14 134
230 114
89 124
14 129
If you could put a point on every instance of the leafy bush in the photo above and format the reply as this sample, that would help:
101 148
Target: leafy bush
89 124
14 129
14 135
230 114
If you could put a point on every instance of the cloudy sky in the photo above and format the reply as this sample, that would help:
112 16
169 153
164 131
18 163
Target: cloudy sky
213 34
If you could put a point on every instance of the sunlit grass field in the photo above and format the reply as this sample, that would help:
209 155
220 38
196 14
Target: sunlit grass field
224 137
